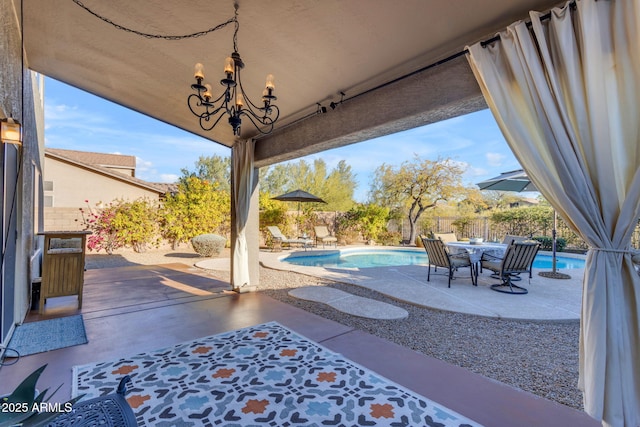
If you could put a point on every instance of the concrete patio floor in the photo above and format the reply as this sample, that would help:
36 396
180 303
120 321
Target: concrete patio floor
548 299
134 309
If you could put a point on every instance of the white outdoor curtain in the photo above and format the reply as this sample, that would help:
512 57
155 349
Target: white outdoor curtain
566 95
242 158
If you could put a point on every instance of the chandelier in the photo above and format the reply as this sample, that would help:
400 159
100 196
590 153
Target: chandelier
233 101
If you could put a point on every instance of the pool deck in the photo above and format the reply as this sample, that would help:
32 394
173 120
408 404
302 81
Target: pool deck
547 300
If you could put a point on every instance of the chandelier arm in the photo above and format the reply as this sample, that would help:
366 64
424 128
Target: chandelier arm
204 119
206 115
199 102
251 104
222 95
270 112
257 121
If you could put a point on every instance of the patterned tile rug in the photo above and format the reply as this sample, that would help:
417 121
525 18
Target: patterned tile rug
264 375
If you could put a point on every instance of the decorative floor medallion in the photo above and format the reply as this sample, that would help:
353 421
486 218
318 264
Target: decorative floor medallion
265 375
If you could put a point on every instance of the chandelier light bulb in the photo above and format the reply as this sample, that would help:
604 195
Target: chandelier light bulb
228 65
199 71
270 82
239 100
207 93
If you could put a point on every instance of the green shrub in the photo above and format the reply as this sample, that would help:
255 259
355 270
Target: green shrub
121 223
208 245
389 238
547 243
198 207
367 220
136 223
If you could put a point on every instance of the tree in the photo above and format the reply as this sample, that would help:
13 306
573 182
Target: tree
215 169
500 199
198 207
336 186
339 187
416 186
474 201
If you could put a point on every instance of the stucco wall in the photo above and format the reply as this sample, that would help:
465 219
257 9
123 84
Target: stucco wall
17 95
72 185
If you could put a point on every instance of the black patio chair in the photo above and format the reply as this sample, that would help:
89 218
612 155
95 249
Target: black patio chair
518 258
439 256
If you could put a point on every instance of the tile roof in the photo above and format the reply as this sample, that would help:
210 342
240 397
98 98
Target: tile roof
64 156
100 159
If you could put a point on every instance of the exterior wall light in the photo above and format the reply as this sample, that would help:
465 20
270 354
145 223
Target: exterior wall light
10 131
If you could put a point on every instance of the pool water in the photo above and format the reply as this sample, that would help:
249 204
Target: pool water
391 258
361 259
545 262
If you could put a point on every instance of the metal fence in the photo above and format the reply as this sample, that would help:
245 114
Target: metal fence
485 228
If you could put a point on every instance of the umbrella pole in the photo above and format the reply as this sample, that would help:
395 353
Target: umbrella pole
298 221
554 274
553 243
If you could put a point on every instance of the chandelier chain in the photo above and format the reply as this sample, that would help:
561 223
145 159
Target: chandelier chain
162 36
235 32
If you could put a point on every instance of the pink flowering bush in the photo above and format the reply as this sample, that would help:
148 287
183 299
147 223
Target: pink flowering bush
104 235
122 223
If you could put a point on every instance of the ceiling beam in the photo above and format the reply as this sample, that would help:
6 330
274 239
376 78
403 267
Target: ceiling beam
439 93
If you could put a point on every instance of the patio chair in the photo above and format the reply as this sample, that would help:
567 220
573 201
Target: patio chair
517 259
509 239
439 256
280 239
446 237
322 233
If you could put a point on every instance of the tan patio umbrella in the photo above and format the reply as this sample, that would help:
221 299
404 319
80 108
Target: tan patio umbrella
518 181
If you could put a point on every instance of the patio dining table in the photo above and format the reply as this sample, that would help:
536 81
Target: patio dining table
476 250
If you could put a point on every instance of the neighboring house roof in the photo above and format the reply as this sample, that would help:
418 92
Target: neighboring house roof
100 159
62 155
167 188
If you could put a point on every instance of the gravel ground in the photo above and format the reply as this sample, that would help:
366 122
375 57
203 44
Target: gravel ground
539 357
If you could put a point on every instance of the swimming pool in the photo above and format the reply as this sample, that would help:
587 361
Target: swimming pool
367 258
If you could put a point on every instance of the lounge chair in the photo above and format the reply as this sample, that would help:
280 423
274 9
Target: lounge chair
446 237
517 259
439 256
280 239
322 234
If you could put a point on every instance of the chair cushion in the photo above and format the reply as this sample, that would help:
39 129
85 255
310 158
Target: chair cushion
459 261
492 265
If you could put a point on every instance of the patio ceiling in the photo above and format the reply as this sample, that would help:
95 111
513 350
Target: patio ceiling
316 49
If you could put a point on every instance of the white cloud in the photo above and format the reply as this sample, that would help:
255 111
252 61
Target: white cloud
495 159
143 165
169 177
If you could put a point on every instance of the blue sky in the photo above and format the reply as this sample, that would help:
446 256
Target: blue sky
76 120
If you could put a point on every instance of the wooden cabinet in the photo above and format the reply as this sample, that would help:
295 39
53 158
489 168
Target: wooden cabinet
63 265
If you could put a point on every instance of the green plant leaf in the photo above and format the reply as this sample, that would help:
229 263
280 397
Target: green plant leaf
26 391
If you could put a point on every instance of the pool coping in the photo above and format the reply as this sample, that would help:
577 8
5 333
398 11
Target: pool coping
547 300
